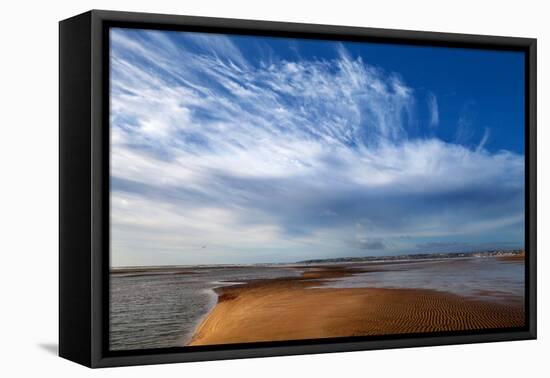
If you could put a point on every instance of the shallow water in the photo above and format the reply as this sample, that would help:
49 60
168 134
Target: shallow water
482 278
163 310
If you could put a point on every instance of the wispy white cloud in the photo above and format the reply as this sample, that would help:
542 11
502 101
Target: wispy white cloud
277 160
220 47
433 107
465 124
483 140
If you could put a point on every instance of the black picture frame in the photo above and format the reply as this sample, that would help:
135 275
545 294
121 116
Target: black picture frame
84 187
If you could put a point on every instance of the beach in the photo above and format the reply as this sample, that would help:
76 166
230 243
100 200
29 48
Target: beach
302 308
165 307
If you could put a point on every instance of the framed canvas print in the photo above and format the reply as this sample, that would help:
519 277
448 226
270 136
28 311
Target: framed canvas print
234 188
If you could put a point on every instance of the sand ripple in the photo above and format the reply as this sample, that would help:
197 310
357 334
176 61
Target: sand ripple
290 310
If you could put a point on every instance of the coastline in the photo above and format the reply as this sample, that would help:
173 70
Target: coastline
298 308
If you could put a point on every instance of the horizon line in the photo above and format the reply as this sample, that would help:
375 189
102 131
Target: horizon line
328 259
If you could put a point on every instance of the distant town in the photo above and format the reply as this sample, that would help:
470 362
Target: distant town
421 256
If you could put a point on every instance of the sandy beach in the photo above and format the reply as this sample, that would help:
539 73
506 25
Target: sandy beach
300 308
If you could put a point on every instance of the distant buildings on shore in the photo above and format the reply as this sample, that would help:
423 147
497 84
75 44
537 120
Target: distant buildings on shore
422 256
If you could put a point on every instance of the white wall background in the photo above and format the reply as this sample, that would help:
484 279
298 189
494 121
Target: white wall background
29 189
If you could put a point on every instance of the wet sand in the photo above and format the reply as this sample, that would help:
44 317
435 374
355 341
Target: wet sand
290 309
516 258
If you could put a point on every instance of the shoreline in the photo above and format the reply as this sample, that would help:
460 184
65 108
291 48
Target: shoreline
291 309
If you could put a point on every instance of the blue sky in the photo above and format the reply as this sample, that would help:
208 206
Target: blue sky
241 149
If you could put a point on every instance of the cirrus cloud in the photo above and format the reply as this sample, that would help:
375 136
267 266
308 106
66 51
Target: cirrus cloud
217 158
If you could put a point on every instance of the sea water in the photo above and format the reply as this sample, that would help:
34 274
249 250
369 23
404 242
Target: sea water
163 310
489 278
